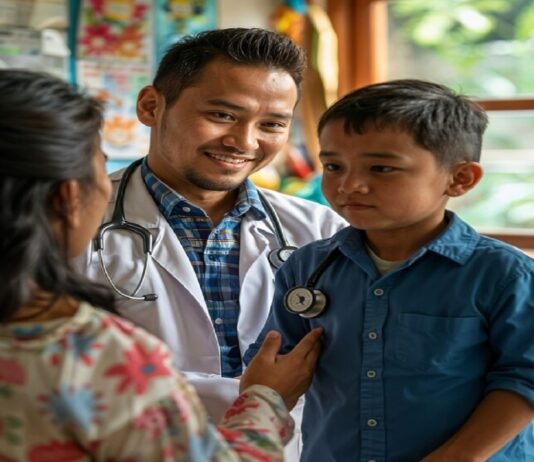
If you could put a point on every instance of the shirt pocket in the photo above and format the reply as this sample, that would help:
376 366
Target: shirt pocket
425 342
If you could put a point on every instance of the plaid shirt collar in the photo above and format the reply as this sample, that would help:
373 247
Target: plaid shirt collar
248 199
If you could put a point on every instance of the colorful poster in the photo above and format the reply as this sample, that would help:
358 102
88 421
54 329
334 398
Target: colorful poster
114 63
115 58
176 18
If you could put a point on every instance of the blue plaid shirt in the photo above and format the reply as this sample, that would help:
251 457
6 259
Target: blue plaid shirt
214 254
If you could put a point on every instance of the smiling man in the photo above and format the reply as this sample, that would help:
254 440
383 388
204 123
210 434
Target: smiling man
219 109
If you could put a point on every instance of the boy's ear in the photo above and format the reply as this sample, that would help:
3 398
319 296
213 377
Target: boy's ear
149 103
67 203
464 177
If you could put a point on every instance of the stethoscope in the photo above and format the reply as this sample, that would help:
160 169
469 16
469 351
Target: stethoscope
277 257
307 301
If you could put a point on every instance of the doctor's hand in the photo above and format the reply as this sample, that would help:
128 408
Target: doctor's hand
290 374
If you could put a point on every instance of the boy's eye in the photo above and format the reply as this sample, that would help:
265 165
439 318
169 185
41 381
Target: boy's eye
330 167
382 168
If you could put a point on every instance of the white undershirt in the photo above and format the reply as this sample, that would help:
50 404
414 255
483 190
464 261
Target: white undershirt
383 266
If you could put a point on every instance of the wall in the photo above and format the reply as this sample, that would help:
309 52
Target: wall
249 13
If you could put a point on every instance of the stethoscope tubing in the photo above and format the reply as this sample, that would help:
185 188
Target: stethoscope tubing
118 221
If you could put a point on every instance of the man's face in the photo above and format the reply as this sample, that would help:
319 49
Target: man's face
230 123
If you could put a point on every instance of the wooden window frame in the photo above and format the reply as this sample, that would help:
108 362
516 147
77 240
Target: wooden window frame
361 26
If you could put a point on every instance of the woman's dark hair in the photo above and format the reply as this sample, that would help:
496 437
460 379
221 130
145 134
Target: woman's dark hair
48 134
184 61
447 124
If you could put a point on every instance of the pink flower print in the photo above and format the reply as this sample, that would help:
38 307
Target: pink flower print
11 372
140 367
55 451
98 40
152 421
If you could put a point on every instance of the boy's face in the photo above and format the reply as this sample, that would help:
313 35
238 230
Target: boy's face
382 182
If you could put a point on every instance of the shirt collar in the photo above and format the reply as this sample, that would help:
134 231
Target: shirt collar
248 199
456 242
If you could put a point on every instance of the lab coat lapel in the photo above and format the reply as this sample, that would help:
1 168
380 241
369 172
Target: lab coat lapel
140 208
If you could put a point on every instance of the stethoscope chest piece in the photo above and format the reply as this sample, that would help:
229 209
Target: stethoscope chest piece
306 302
278 257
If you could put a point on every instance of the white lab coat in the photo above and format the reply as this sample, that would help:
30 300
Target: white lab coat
180 316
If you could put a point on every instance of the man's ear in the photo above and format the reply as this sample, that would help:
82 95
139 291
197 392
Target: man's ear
464 177
67 203
149 103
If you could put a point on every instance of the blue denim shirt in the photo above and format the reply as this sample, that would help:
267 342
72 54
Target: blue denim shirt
409 355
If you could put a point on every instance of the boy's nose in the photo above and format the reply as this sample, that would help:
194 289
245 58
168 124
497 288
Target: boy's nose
242 138
353 185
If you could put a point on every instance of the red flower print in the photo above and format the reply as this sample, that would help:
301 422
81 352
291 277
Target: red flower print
97 6
139 12
117 323
129 42
11 372
240 405
230 435
140 367
56 452
98 40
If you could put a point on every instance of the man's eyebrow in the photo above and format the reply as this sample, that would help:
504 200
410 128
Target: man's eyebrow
237 107
372 154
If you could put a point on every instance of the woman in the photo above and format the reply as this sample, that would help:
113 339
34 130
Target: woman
76 382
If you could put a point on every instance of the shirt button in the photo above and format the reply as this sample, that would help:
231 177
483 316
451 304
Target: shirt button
218 321
378 292
372 423
212 258
371 374
186 209
372 335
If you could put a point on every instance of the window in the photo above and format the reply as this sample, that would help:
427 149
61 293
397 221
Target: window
482 48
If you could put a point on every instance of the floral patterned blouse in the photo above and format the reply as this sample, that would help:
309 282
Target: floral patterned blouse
95 388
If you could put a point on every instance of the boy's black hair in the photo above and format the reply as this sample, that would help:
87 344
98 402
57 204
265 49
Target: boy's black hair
441 121
48 135
184 61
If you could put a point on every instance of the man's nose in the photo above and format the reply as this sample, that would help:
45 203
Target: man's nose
243 137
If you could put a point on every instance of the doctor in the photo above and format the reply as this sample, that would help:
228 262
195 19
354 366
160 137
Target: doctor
220 108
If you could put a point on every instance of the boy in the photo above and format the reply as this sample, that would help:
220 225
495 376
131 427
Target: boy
428 351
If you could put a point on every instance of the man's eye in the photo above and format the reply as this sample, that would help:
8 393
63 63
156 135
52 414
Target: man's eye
222 115
274 125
